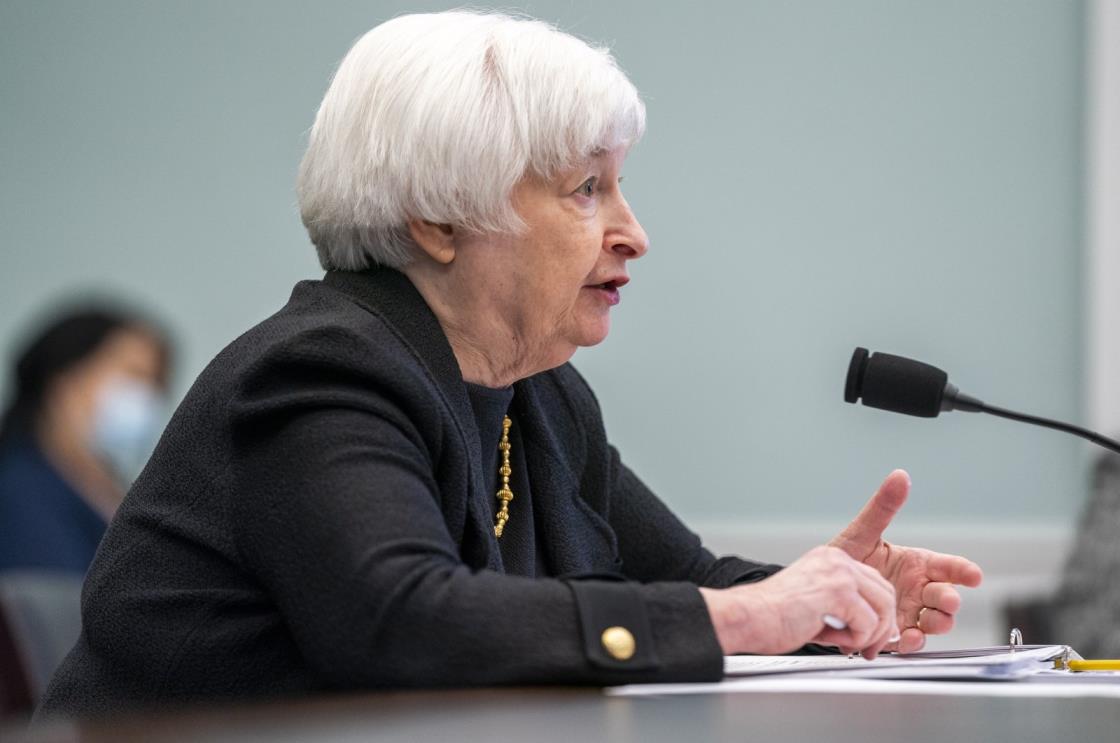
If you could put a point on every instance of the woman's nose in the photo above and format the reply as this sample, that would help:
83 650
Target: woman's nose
630 240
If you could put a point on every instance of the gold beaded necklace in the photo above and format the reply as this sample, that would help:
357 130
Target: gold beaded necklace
504 494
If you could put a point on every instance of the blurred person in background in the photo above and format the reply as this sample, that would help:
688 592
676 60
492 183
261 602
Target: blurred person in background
83 415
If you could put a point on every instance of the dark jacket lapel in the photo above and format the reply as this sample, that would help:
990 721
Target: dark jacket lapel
389 294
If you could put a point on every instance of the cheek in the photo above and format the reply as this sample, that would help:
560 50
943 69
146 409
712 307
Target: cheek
576 280
584 258
554 263
562 279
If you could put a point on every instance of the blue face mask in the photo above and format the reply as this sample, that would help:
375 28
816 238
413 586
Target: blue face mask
127 422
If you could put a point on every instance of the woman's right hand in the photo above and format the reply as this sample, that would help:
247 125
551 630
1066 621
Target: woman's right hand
785 611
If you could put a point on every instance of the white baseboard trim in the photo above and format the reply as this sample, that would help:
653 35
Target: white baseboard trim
1019 561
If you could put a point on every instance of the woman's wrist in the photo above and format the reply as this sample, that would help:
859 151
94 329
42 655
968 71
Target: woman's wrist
745 619
725 616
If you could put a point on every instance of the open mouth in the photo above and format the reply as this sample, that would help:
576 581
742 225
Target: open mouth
612 284
610 289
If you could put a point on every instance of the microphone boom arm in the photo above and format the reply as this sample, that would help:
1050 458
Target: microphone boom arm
1096 438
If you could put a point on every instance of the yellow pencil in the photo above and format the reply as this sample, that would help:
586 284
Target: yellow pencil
1110 664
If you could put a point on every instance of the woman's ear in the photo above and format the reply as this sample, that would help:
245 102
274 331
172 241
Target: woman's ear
437 240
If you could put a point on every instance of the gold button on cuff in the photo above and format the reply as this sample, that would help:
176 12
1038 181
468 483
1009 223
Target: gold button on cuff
618 642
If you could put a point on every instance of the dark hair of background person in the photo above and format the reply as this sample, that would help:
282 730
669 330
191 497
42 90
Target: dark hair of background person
63 343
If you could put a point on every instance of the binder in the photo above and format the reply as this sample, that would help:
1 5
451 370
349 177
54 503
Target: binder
995 663
989 663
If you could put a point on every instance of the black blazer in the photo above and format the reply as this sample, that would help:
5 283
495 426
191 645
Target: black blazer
315 516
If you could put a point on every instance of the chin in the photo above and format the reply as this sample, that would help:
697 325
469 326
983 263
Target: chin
594 333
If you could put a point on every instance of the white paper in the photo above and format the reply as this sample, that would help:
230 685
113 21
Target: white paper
1037 686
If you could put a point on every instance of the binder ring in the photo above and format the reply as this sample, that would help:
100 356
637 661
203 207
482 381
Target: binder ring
1015 641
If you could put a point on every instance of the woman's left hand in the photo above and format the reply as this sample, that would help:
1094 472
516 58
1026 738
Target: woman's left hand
923 580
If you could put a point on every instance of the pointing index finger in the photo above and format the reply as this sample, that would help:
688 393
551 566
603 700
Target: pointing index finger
865 530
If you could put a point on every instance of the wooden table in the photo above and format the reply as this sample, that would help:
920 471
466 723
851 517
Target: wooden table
587 715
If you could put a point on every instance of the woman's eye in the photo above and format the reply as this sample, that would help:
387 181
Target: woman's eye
587 188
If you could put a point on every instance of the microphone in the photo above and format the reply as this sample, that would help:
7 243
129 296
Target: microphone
903 385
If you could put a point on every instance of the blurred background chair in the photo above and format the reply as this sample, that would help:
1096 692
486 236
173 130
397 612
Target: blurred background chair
40 619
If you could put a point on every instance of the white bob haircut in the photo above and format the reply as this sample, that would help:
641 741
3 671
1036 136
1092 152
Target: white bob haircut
438 116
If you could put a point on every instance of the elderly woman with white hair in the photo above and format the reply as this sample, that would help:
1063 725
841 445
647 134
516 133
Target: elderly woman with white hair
321 511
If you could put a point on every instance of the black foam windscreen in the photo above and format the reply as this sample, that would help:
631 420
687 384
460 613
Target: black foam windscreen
854 383
895 383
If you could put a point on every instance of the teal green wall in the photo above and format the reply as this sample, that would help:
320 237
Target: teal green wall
904 175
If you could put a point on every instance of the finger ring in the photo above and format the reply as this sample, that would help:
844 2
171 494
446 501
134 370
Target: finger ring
921 611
